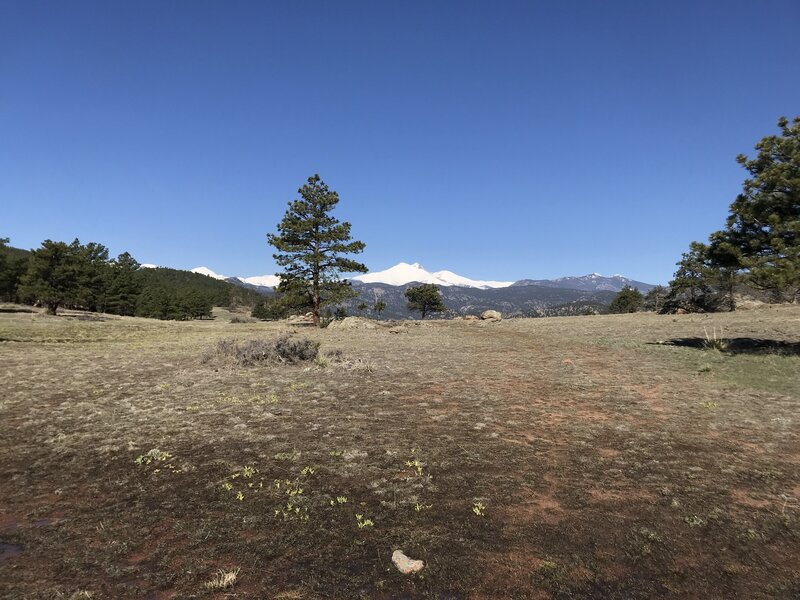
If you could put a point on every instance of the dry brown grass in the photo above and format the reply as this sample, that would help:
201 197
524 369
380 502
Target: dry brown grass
222 580
614 458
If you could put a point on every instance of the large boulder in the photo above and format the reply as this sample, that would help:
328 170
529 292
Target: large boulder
491 315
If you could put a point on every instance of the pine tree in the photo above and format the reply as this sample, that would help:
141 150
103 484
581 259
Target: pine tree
54 275
155 303
5 272
764 224
723 265
627 300
94 274
690 288
654 298
311 244
13 265
379 306
124 285
191 304
425 298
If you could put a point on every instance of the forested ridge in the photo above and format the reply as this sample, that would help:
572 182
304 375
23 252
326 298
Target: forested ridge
82 276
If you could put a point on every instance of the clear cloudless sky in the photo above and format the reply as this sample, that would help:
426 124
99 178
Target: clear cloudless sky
500 140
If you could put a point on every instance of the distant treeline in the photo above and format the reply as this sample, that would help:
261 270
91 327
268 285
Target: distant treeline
82 276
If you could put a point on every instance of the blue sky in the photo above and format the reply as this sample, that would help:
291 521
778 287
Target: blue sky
499 140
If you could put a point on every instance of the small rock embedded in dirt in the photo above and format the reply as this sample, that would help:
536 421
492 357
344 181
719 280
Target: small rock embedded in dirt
491 315
406 565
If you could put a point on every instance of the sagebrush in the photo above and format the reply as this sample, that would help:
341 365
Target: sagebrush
284 349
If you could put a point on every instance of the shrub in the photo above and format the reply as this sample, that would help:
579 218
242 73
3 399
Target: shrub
281 350
712 342
242 320
293 350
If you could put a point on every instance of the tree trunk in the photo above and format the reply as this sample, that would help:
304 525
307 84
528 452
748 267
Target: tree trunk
731 299
315 301
315 305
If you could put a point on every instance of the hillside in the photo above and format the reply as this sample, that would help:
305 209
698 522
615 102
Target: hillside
511 301
593 282
147 291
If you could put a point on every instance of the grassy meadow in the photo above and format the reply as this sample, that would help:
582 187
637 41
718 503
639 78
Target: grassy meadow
619 456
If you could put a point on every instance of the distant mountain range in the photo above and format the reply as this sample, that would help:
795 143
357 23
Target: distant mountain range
269 281
593 282
462 295
404 273
527 301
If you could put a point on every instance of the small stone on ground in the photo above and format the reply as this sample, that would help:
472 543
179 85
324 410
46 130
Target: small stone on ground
406 565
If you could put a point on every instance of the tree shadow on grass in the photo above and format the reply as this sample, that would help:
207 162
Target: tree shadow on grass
739 345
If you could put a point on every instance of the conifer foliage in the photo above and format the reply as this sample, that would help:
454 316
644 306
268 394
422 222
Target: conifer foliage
760 245
425 298
13 264
54 275
628 300
81 276
311 245
763 229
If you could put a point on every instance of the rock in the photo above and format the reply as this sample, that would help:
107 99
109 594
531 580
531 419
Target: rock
491 315
399 329
471 317
352 323
301 319
406 565
746 302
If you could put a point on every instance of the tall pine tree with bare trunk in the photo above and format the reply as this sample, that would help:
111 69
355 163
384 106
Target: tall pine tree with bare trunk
311 245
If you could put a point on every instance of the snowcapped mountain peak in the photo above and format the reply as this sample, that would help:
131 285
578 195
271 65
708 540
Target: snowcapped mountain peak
403 273
262 280
209 273
400 274
257 280
454 279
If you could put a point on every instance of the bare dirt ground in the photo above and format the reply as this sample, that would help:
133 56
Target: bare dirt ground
577 457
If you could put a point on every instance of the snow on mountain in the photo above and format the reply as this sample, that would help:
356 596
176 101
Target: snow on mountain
400 274
262 280
454 279
404 273
258 280
209 273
